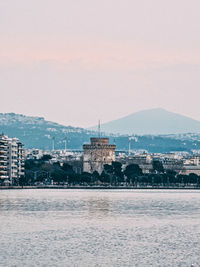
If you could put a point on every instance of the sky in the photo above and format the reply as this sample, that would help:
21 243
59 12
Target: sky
75 62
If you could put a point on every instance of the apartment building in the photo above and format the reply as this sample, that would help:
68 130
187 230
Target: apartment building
3 157
11 160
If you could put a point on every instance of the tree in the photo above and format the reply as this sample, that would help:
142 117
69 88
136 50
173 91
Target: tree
158 166
30 164
67 168
46 157
95 177
117 172
104 177
107 174
59 175
108 168
86 177
74 178
132 171
114 171
171 176
183 178
23 181
157 179
193 178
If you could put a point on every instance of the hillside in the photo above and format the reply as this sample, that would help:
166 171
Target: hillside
36 132
154 122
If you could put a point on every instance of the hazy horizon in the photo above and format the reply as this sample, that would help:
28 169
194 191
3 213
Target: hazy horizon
77 62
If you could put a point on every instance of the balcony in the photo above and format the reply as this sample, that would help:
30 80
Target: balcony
3 157
3 177
3 151
3 145
3 167
3 173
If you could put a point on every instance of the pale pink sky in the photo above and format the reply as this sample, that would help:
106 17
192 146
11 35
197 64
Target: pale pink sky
74 62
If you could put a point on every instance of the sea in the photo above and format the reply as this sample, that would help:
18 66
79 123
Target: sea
65 227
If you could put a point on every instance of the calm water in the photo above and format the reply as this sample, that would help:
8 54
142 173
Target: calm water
99 228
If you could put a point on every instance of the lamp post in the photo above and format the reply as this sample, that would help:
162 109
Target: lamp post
129 143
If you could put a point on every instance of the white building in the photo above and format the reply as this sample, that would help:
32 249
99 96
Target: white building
11 159
3 157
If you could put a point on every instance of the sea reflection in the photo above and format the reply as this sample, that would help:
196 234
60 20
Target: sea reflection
99 207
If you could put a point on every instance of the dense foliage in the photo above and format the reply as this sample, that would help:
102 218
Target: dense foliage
43 172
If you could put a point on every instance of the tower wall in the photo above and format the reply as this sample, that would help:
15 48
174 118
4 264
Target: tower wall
97 154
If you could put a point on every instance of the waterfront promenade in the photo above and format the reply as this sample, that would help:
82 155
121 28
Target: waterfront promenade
102 187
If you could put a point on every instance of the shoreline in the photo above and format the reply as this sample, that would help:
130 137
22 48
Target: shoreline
101 187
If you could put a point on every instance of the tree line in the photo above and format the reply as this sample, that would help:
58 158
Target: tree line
42 171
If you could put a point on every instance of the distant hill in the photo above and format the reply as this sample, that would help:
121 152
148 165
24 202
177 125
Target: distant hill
153 121
36 132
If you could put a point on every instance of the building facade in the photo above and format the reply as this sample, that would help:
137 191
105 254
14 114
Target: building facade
3 158
98 153
11 160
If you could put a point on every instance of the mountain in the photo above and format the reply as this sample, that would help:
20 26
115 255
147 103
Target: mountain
36 132
153 121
